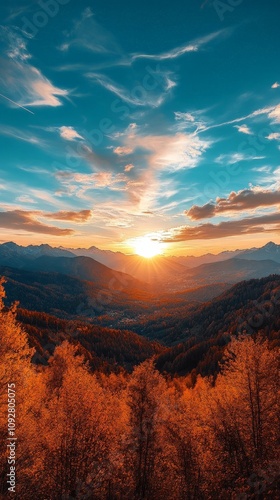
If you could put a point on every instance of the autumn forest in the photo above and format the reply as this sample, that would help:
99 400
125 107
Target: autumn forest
142 435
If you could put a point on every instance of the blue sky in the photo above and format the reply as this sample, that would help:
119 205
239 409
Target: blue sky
124 119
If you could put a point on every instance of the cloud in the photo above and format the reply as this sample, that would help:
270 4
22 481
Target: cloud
25 199
88 34
272 112
249 225
78 184
190 121
247 199
232 158
170 152
81 216
26 221
122 151
139 95
24 83
265 168
154 155
275 85
21 135
244 129
128 167
274 136
69 133
275 114
188 117
104 43
193 46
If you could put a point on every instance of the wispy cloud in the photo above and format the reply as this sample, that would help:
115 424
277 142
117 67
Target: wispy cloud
88 34
153 156
275 85
25 86
136 96
232 158
77 184
272 113
105 43
21 135
172 152
186 117
24 198
193 46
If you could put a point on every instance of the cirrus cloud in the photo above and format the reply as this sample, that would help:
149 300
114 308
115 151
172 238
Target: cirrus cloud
23 82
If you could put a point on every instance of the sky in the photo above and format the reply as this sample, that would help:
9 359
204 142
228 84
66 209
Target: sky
155 119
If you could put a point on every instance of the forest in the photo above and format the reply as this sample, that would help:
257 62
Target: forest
140 434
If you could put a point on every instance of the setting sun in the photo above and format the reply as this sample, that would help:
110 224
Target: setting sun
146 247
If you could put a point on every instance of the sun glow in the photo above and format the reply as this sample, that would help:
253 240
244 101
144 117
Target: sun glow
147 247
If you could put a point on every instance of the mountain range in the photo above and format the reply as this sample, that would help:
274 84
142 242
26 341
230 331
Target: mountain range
176 273
193 342
183 315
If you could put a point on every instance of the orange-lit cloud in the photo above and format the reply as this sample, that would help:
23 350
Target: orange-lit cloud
251 225
23 82
129 167
26 221
69 133
247 199
122 151
81 216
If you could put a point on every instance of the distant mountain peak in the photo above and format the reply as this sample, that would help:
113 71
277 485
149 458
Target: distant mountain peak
271 245
10 244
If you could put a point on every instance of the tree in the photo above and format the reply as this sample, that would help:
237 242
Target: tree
145 390
76 428
16 371
243 411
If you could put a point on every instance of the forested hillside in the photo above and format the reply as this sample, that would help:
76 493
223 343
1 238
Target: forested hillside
251 306
106 349
131 436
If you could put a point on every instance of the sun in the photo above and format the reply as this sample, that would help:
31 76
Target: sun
147 247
